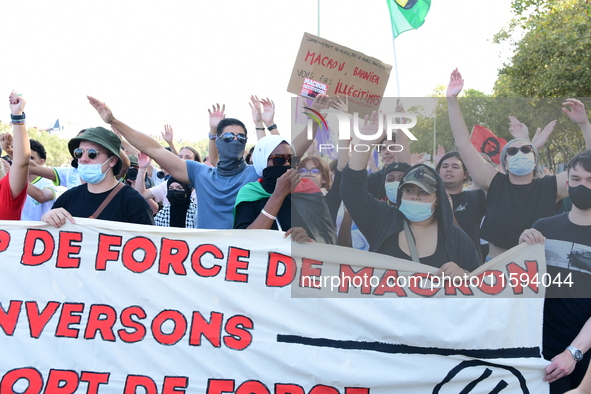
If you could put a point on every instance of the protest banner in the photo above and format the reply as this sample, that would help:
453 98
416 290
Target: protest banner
105 307
323 66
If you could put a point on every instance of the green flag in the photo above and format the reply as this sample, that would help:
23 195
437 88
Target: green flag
407 14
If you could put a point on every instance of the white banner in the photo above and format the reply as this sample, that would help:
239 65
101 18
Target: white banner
104 307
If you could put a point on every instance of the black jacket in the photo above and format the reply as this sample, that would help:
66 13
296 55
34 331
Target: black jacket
378 221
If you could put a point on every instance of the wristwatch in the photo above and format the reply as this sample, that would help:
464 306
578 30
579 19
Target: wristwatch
577 354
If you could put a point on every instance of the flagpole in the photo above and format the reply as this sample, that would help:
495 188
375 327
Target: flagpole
395 64
434 132
318 13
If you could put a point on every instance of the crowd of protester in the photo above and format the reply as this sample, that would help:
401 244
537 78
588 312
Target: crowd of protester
406 208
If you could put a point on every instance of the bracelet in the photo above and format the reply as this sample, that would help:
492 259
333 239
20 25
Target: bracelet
18 122
17 117
272 127
213 137
267 214
142 169
259 128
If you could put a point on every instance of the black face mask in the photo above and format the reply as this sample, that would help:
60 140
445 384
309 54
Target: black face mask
270 176
178 197
580 196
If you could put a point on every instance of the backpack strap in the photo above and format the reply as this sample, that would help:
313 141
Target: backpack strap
410 239
107 200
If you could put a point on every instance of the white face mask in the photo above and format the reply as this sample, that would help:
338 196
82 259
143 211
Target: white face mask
416 211
392 190
92 173
521 163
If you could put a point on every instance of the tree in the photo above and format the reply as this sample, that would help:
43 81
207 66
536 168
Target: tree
552 59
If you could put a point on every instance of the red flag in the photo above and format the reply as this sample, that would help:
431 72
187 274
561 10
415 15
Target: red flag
486 142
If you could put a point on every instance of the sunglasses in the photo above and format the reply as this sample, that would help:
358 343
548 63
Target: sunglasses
311 171
227 137
525 149
92 153
280 160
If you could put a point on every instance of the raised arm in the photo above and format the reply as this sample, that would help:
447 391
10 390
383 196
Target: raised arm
575 110
301 143
369 128
167 160
19 172
143 163
520 130
215 117
268 115
257 116
482 173
168 136
6 144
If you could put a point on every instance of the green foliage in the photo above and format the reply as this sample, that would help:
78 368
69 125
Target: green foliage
56 148
552 59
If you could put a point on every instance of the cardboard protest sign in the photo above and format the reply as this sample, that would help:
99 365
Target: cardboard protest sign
104 307
325 67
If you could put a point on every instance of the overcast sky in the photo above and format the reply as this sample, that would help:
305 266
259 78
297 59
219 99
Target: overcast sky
166 62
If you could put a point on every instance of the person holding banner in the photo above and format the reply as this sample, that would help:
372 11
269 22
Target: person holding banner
567 308
421 229
281 199
516 199
13 185
102 196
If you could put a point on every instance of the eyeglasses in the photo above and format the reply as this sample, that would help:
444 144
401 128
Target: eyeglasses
92 153
280 160
311 171
525 149
227 137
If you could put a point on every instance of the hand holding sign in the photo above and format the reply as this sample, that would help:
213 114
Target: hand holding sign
562 365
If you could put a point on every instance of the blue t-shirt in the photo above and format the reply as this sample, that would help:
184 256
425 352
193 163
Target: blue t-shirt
216 194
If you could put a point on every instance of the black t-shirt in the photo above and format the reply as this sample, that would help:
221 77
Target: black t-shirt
565 316
392 248
510 208
127 206
469 209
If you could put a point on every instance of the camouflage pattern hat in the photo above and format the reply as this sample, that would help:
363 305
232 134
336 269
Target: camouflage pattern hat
422 178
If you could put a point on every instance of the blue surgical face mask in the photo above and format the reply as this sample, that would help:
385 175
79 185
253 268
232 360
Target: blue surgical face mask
416 211
392 190
521 164
92 173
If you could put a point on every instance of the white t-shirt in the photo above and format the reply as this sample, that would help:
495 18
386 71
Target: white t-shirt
67 176
33 210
